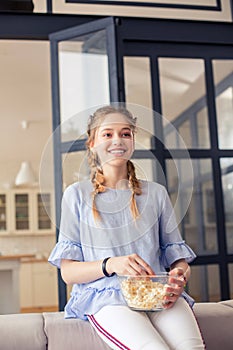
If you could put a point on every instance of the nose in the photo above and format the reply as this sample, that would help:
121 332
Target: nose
116 140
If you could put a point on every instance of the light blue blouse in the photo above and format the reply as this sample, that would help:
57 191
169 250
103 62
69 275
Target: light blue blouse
154 236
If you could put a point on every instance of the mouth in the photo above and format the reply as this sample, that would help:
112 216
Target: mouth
119 151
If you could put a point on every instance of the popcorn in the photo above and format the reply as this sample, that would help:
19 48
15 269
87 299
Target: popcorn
143 293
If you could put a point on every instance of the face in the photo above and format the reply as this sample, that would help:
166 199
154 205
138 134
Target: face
114 140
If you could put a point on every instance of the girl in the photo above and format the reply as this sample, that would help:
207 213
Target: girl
117 224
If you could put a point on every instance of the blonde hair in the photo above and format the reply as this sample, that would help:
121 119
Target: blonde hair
97 176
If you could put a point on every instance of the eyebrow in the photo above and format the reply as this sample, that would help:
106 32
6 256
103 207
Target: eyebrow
110 129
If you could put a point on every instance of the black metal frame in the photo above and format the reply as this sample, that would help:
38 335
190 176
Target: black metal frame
140 35
216 7
200 47
74 146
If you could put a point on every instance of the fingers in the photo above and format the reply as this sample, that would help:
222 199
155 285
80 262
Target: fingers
132 265
175 287
171 296
141 266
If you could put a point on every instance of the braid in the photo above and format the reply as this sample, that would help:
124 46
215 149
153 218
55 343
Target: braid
97 179
135 187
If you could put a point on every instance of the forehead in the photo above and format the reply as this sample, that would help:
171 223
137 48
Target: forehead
114 120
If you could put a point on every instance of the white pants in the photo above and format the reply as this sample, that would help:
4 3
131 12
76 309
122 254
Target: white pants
122 328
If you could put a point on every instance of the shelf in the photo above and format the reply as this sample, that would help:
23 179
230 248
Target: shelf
43 218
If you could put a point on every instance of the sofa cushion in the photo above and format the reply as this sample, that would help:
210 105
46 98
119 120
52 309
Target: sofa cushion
215 321
22 331
72 334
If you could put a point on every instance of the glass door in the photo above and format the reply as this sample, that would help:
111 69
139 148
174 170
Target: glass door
191 87
84 76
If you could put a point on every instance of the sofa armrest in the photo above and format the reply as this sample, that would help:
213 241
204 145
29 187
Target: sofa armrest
22 331
215 321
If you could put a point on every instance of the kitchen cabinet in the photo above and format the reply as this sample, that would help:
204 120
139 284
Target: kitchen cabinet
22 210
26 285
10 283
26 211
9 295
4 209
38 285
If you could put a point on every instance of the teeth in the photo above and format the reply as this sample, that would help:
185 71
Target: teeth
117 152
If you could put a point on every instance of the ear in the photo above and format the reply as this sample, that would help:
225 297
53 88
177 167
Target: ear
91 145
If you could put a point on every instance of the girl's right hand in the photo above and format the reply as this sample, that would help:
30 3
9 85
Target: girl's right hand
128 265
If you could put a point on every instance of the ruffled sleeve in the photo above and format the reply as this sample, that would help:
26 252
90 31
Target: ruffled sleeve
174 251
69 245
172 246
65 250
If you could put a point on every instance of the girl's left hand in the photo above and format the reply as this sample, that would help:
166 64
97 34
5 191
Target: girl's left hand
175 288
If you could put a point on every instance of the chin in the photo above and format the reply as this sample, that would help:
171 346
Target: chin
117 162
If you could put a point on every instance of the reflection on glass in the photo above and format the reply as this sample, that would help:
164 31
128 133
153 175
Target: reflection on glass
194 205
230 270
204 284
75 167
223 78
201 138
83 78
183 96
184 132
227 185
137 69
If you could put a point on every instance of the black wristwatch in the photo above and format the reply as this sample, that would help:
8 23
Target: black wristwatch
104 268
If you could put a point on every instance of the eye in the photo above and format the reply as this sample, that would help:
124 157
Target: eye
127 134
107 135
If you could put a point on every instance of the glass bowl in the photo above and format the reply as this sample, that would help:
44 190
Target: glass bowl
144 293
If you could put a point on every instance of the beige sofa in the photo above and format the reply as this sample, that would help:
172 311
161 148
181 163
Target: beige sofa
51 331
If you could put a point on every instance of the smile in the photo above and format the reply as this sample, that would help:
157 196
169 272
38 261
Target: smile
117 151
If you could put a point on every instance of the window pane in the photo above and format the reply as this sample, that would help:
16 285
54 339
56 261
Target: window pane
194 205
183 96
137 69
204 284
139 98
80 81
150 170
223 78
75 167
227 184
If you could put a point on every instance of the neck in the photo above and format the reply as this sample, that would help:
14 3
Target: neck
116 178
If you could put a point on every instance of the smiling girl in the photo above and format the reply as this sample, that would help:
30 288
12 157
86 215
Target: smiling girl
116 224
